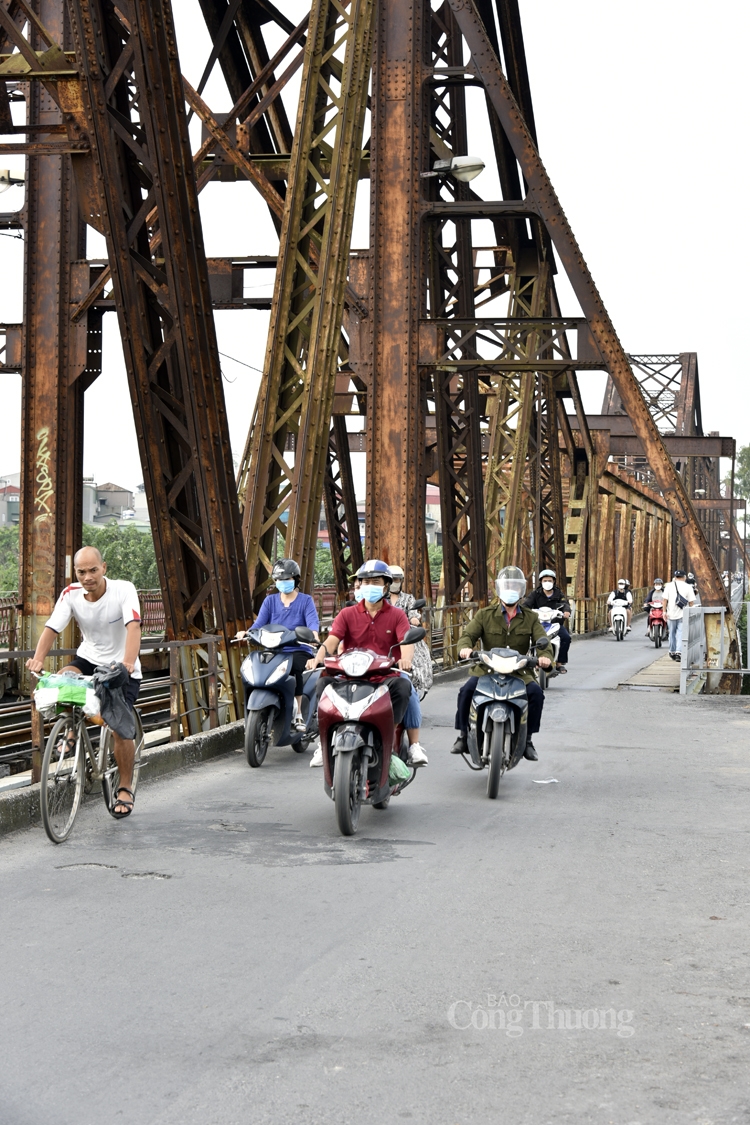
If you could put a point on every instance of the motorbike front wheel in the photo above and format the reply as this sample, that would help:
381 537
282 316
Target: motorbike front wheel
542 677
619 630
257 736
346 792
497 760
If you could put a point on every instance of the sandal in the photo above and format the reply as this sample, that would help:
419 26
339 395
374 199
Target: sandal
127 805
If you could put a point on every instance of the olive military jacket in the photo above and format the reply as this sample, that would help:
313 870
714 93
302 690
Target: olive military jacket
490 627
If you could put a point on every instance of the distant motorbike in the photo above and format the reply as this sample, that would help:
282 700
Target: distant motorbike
619 620
358 736
551 621
270 692
658 630
498 720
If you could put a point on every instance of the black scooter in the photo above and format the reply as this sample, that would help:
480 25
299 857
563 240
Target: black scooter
270 692
499 714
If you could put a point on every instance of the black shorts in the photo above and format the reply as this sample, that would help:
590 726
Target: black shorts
130 691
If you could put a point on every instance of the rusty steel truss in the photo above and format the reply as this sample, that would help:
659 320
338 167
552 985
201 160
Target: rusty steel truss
440 352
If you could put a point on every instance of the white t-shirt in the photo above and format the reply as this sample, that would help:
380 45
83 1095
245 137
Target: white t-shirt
103 623
671 590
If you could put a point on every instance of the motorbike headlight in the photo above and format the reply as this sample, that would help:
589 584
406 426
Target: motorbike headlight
356 663
269 639
504 664
279 673
246 669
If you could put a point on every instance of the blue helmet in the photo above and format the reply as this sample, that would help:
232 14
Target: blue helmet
375 568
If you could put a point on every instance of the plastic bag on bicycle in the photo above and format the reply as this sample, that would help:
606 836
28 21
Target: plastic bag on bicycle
55 688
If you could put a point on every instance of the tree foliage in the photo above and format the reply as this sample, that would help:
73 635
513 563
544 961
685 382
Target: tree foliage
128 553
742 472
8 559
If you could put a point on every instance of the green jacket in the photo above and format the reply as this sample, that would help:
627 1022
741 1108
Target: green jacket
490 627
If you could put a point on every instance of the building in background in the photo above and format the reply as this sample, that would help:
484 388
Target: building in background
10 503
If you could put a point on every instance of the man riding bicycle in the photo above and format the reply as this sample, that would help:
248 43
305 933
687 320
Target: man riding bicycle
108 614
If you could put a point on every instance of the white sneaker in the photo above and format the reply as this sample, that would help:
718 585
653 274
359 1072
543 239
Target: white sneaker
317 758
416 755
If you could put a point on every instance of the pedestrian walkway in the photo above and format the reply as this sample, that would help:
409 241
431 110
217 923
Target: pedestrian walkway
661 675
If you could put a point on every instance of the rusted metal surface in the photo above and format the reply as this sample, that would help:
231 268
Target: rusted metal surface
541 191
59 362
395 516
134 104
296 397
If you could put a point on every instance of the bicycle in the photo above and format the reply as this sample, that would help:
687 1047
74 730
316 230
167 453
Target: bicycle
71 764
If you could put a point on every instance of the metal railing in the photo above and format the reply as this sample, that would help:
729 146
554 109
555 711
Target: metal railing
444 625
697 664
195 696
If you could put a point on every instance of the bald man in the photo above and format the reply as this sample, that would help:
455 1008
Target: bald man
109 616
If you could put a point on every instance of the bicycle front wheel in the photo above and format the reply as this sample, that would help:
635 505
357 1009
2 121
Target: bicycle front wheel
110 771
62 779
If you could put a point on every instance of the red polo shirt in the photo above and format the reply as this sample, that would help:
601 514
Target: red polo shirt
357 629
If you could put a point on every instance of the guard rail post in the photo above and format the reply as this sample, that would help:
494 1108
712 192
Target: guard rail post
174 695
213 687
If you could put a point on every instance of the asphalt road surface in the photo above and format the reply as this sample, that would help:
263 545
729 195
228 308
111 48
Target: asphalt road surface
577 951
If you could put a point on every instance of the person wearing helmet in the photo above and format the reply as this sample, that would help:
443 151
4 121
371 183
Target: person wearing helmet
375 624
678 594
548 595
692 581
655 596
422 662
508 624
289 607
620 594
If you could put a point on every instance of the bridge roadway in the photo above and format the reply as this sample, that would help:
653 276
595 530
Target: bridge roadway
226 957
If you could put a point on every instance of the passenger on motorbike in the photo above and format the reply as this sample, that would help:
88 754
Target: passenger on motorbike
422 662
655 596
505 625
376 625
621 594
549 596
290 608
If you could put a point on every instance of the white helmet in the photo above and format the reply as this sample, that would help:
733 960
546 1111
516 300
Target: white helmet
510 585
398 575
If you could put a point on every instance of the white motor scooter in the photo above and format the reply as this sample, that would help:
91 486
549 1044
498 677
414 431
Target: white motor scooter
550 620
619 620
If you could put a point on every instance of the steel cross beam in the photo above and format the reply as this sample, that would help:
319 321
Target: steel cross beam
135 109
547 204
296 397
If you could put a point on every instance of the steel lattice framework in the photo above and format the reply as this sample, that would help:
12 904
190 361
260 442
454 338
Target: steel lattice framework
452 354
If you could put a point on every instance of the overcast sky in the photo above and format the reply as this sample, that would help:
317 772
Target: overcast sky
641 112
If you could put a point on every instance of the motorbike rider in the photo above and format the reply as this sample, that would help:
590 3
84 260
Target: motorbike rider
548 595
621 594
655 595
289 607
377 625
508 624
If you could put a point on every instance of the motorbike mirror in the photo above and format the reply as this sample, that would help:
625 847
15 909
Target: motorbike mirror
415 634
302 633
540 644
420 603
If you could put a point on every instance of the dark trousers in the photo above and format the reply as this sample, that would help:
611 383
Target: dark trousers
564 645
399 690
534 694
299 663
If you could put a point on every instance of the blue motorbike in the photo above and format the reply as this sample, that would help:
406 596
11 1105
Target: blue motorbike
270 692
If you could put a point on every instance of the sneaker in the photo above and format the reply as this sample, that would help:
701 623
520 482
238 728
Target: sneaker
530 751
317 758
460 746
628 629
416 755
299 723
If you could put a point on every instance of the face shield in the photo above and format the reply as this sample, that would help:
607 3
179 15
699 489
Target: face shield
510 585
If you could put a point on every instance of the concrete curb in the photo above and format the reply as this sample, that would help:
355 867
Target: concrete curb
19 808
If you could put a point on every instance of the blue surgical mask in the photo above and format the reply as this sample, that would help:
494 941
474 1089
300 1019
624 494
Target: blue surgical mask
371 593
510 597
359 594
285 585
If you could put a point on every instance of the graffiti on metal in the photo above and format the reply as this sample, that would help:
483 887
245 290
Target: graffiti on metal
44 485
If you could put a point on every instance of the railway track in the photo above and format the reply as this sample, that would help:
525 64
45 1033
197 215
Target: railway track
15 721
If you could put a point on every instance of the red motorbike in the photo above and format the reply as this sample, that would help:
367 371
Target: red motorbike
658 630
358 735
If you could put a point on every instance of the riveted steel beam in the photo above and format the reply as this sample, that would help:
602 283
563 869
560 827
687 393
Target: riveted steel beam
296 397
135 111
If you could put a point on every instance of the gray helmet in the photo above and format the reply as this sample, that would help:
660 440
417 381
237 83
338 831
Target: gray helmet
284 569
